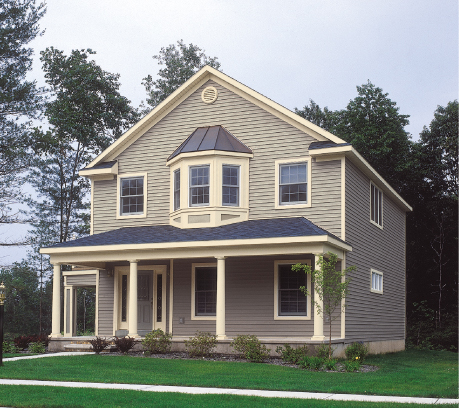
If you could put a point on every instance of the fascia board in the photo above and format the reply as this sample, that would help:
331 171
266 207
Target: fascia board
365 167
97 172
188 88
198 154
198 244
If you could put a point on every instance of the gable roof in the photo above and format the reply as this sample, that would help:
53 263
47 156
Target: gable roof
250 229
186 89
211 138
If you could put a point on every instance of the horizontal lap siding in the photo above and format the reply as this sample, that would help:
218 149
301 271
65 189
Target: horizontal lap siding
81 280
371 316
269 137
106 291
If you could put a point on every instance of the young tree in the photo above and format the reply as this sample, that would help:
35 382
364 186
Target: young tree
330 287
181 63
20 99
86 115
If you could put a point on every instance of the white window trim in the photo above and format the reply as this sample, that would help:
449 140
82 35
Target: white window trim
176 206
238 185
118 196
382 207
276 292
372 271
193 298
277 164
206 165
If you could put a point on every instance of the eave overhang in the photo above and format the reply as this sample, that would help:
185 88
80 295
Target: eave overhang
100 172
349 152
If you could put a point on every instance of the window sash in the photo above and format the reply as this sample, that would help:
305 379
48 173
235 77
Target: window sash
199 185
291 300
376 281
293 182
177 189
230 185
376 205
132 196
205 287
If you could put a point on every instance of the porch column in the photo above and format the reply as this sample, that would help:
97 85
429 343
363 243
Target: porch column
220 321
56 314
318 319
133 299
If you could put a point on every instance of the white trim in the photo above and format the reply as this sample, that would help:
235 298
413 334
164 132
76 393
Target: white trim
145 194
91 228
171 294
380 211
277 164
378 273
193 298
343 301
343 198
277 263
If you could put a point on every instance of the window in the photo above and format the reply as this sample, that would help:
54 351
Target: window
291 300
177 189
376 205
205 288
230 185
199 185
376 281
132 196
123 298
293 183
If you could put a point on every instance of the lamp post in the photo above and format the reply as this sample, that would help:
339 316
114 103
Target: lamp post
2 310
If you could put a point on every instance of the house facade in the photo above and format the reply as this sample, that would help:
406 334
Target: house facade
199 211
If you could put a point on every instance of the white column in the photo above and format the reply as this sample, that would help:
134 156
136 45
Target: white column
56 314
133 299
318 319
221 307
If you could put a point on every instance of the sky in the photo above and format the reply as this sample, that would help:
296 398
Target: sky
291 51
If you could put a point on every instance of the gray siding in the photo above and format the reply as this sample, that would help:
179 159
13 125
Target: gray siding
371 316
270 139
82 280
106 290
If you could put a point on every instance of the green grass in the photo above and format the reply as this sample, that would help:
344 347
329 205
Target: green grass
44 396
408 373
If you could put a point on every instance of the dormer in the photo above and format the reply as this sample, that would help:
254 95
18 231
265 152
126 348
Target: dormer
209 179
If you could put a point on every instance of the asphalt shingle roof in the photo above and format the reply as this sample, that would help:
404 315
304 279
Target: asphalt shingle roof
251 229
326 144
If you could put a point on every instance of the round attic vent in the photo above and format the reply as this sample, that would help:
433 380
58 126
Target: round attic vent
209 95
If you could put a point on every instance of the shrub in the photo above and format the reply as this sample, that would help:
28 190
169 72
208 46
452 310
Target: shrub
293 355
9 347
330 364
250 348
202 344
22 342
157 342
37 348
43 338
98 344
352 366
356 350
312 362
322 351
124 344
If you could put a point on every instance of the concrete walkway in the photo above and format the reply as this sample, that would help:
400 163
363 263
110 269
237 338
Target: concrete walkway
219 391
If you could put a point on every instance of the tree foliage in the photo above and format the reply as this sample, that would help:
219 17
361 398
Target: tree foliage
330 287
20 99
180 62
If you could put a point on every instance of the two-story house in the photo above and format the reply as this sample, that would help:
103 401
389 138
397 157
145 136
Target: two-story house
200 209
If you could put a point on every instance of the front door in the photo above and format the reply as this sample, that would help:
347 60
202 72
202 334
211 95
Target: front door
145 301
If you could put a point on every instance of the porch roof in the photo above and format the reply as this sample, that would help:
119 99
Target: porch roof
251 229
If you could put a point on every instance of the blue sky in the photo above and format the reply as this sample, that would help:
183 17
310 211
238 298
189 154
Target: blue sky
290 51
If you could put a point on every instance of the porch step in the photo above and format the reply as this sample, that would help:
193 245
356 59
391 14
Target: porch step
84 347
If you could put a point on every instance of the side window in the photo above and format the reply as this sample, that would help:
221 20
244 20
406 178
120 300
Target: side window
132 196
376 205
177 189
376 281
291 300
230 185
199 185
205 287
293 183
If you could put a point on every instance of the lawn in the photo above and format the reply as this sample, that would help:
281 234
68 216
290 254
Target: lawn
408 373
41 396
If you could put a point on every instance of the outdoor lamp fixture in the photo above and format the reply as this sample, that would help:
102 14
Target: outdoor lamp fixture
2 309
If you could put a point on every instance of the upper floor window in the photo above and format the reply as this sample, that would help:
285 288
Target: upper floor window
199 185
132 196
293 183
177 189
376 281
230 185
376 205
